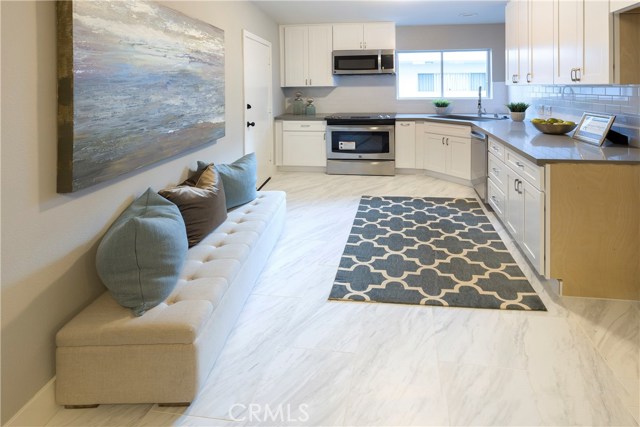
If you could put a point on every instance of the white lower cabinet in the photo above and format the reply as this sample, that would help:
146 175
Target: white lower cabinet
516 194
449 154
405 137
303 143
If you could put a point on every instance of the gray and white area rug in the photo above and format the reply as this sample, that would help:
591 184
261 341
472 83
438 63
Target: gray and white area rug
429 251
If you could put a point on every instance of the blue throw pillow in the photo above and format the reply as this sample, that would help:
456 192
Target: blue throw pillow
239 180
140 257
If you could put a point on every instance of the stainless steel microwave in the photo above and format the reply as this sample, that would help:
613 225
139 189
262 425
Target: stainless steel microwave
364 62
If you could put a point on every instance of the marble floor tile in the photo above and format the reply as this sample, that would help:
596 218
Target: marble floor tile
480 337
396 379
102 416
572 383
613 327
330 325
488 396
306 387
164 419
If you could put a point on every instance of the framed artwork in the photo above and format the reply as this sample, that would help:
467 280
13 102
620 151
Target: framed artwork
138 82
593 128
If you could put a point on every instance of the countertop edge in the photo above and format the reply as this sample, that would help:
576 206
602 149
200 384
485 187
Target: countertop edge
485 128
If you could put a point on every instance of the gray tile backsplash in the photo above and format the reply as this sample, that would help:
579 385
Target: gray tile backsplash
569 102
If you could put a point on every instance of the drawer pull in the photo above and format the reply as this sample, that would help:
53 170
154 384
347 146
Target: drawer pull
520 165
404 124
494 148
305 126
495 170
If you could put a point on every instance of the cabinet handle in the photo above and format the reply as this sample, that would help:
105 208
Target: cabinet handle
495 170
515 185
578 74
519 187
305 126
443 140
528 77
494 148
404 124
310 82
573 74
520 165
360 45
447 141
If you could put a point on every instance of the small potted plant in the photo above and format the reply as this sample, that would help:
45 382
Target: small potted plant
517 110
442 106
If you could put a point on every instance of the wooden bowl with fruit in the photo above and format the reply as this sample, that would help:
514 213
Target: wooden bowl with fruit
553 126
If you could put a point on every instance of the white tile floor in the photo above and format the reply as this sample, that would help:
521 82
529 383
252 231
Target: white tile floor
345 363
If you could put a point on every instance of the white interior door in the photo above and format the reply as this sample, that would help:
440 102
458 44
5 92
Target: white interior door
258 133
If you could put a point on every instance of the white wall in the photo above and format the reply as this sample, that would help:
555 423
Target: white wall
48 239
378 93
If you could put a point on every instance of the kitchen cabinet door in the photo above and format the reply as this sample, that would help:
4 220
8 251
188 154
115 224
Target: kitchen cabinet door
379 35
524 71
511 42
295 55
435 152
541 42
405 138
514 208
596 61
306 53
458 162
532 233
347 37
568 19
320 68
303 149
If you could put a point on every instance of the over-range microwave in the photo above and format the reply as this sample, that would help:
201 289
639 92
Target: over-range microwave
364 62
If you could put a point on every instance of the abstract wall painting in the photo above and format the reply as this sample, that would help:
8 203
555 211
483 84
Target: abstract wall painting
137 83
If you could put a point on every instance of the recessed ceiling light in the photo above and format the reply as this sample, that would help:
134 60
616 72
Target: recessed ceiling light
467 14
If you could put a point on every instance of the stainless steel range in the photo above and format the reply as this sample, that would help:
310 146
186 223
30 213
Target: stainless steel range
361 144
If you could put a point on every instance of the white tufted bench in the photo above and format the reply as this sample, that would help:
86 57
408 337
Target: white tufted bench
107 355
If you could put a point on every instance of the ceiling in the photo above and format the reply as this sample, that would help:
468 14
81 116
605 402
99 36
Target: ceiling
402 12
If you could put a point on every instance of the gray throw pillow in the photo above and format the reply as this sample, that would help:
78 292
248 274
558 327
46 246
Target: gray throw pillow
239 179
140 257
202 203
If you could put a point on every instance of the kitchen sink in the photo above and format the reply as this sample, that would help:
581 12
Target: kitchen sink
474 117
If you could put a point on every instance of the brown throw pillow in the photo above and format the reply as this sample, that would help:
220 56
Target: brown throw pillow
201 201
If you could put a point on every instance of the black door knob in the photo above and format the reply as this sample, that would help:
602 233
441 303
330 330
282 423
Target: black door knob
248 106
251 124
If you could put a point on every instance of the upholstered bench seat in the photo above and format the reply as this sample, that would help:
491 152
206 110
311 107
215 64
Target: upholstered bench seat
107 355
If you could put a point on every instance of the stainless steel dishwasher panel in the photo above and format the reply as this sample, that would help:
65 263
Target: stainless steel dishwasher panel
479 164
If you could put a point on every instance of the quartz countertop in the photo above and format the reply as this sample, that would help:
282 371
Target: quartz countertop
528 141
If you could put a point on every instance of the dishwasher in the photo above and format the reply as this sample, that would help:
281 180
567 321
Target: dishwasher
479 160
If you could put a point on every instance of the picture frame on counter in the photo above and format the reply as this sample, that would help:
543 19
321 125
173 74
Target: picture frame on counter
593 128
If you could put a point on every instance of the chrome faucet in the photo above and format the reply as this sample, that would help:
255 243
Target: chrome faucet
480 109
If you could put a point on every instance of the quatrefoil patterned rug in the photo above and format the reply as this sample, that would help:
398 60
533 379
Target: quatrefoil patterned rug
429 251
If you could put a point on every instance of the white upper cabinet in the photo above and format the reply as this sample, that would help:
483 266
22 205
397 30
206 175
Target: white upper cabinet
306 55
359 36
581 51
540 42
529 41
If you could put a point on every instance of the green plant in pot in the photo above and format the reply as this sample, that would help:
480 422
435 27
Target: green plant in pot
517 110
442 106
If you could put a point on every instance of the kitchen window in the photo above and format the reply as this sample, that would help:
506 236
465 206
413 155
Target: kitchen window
443 74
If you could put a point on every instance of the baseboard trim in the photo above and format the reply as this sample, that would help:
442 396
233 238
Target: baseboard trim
39 410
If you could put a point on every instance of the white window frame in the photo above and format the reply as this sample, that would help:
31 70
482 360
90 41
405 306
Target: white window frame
441 52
